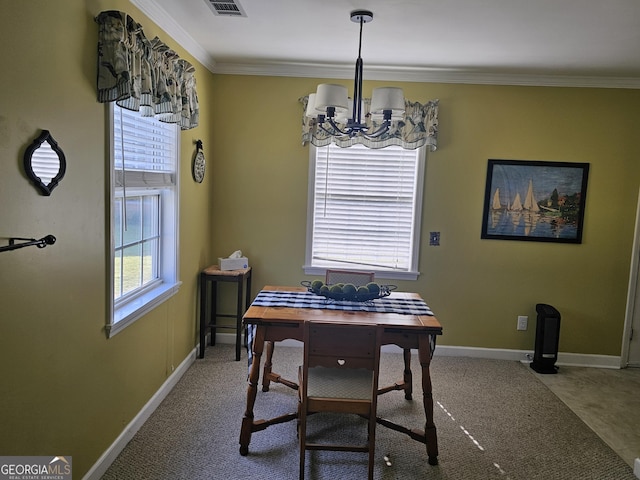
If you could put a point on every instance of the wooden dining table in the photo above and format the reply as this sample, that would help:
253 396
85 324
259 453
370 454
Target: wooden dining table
278 313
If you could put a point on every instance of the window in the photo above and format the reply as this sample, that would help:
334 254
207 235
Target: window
144 209
364 210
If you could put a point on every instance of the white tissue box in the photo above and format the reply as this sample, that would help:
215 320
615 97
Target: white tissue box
233 263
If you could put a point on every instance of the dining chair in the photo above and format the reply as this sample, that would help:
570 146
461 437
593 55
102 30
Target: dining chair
340 375
358 278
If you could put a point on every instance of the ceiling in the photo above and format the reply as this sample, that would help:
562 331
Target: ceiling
536 42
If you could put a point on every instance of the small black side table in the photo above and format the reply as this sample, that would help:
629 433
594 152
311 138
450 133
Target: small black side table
212 275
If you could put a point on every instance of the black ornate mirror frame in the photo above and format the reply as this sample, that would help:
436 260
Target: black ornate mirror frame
32 149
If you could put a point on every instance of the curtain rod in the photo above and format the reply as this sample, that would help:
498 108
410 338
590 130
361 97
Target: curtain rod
43 242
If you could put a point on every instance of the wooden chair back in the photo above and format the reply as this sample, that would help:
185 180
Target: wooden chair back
358 278
339 374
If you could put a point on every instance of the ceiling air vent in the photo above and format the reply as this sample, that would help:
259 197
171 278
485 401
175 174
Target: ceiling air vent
226 8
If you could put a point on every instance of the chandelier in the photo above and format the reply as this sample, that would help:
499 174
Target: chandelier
330 104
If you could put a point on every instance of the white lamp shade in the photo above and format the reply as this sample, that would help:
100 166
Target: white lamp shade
387 98
330 95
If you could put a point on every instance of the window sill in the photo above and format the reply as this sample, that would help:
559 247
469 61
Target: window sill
321 271
132 311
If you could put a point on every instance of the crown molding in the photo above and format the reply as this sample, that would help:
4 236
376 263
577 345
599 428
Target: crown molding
400 74
425 75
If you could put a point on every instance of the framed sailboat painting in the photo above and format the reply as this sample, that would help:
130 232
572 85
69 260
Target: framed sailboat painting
536 201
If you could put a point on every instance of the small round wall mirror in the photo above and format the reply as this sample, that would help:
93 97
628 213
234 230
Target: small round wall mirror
44 163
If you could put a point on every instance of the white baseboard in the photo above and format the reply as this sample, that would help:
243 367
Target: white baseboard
108 457
476 352
589 360
564 358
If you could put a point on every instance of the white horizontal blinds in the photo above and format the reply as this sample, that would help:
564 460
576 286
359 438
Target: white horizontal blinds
364 204
149 149
146 179
145 152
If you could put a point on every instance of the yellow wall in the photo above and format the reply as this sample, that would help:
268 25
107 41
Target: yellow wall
476 287
66 389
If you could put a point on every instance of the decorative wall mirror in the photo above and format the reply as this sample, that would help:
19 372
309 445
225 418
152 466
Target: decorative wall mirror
44 163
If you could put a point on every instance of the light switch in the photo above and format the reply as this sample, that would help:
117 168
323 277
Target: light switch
434 238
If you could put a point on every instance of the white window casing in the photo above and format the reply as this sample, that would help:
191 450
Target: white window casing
148 178
364 210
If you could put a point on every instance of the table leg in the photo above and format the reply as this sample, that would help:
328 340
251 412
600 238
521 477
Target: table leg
268 364
214 311
252 390
431 438
247 302
239 313
407 376
203 312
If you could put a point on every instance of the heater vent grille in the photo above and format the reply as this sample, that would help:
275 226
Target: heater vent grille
226 8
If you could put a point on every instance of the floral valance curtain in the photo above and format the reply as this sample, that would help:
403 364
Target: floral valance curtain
144 75
418 127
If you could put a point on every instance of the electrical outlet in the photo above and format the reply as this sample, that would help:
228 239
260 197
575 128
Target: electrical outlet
523 321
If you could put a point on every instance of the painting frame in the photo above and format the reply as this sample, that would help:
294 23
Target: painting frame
534 200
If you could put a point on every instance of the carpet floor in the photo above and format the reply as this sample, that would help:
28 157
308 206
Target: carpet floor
495 420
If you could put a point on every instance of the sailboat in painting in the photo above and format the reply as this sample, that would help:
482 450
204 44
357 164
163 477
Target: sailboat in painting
531 210
495 205
530 203
516 206
496 209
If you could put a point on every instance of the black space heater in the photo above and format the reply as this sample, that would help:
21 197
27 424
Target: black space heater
547 338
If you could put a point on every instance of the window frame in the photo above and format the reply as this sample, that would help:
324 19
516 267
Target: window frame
412 273
136 193
128 309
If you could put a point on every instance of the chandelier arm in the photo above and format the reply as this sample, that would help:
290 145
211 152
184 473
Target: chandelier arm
336 129
335 126
331 113
383 129
328 132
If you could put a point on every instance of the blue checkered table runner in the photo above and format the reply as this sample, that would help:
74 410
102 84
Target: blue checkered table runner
404 306
270 298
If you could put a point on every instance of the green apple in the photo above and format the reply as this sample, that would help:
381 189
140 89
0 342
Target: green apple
349 289
373 287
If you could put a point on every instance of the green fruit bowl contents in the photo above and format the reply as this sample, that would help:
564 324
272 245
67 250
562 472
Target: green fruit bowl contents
349 291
